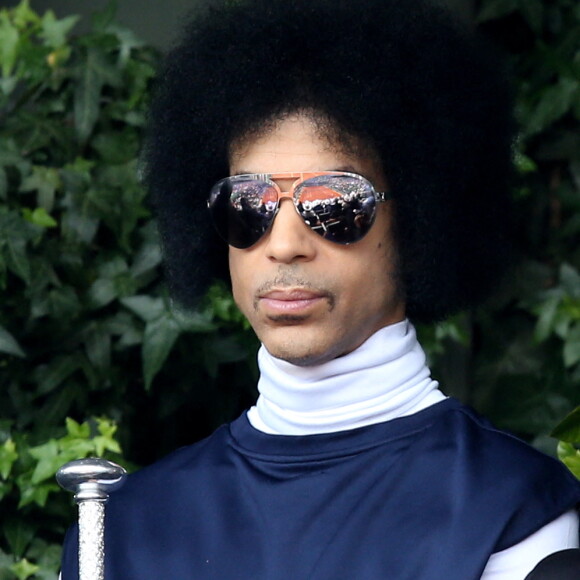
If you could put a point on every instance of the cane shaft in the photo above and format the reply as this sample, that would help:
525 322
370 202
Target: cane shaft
91 540
91 480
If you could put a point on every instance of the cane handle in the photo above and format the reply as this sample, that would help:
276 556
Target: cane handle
91 479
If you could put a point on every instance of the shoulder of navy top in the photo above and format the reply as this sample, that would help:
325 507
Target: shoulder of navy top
429 496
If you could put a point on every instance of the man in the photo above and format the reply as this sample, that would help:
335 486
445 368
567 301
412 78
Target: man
355 163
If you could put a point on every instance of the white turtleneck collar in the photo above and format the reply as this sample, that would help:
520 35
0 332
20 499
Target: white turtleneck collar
384 378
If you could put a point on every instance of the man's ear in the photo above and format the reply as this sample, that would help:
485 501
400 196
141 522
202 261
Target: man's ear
563 565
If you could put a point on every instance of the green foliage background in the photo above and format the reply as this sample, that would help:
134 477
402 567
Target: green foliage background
93 358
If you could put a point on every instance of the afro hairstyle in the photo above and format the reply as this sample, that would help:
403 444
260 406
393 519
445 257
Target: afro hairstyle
405 77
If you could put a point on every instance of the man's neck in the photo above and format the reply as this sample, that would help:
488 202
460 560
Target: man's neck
385 378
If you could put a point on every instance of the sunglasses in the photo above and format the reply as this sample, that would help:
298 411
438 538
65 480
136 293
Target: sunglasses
339 206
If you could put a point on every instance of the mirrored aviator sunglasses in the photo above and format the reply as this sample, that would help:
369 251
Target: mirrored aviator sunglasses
339 206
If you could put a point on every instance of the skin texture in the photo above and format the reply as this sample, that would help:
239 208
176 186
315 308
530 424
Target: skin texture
310 300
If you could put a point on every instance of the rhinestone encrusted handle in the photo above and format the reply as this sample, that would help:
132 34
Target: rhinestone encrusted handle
91 480
92 540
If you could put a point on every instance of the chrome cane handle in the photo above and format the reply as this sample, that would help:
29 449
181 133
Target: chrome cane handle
91 480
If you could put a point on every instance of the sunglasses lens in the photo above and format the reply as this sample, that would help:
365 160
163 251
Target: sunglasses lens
242 209
340 208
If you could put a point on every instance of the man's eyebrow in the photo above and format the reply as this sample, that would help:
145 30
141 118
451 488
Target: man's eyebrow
348 169
351 169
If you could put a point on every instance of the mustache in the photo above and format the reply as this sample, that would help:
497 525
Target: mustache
292 280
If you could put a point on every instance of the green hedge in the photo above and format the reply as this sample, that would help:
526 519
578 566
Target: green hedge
94 359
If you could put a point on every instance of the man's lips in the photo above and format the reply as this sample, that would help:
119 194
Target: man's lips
290 301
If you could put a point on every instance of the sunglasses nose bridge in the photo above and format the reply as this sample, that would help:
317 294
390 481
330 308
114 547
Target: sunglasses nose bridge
285 195
286 183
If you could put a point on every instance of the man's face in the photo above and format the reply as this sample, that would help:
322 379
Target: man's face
310 300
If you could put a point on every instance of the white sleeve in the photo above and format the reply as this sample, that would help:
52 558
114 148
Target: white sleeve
517 562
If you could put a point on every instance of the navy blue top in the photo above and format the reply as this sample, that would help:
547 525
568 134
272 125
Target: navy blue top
425 497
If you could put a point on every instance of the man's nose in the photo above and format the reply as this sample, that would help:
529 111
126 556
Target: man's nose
290 239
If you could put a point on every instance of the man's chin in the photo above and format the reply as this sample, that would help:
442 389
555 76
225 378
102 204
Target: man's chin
303 361
301 353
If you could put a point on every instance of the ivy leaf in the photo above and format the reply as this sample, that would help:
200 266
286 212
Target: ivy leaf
24 16
158 340
146 308
524 164
19 535
86 103
117 146
3 184
9 37
95 72
63 303
102 292
570 279
568 429
37 494
496 9
59 369
555 101
87 96
533 12
47 556
54 453
570 456
39 217
98 346
77 430
72 449
103 444
15 233
9 345
147 259
572 347
47 455
546 314
23 569
190 321
80 225
55 31
106 428
128 41
8 455
102 19
45 181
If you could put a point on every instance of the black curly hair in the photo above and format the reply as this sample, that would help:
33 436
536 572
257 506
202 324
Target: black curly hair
402 76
